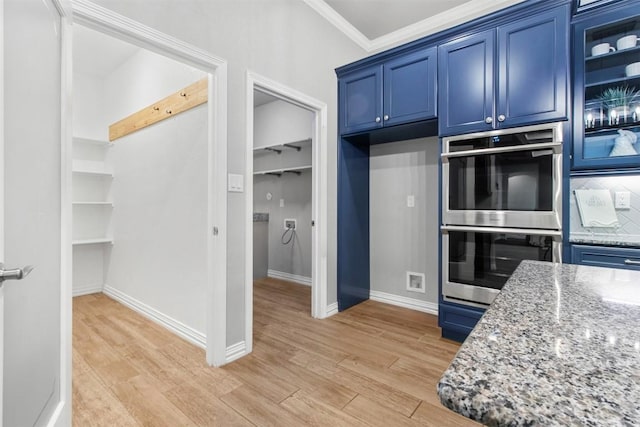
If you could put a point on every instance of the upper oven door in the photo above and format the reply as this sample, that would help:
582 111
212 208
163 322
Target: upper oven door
499 179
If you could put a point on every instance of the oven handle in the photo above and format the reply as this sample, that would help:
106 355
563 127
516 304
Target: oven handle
557 148
529 231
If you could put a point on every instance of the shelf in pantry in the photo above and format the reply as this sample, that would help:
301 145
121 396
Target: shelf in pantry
94 241
93 172
297 169
91 141
89 203
294 145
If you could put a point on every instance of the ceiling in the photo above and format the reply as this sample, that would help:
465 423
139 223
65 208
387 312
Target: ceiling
375 18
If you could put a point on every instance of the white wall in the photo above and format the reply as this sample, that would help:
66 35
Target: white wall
280 122
159 191
284 40
88 107
403 238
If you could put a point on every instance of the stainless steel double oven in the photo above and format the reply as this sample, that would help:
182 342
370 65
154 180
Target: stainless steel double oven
501 204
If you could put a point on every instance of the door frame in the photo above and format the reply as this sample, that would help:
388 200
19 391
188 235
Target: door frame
110 23
319 184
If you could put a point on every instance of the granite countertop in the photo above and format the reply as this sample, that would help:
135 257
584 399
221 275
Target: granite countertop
623 240
560 345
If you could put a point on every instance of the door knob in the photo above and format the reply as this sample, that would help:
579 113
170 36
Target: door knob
501 118
488 120
15 273
377 119
386 117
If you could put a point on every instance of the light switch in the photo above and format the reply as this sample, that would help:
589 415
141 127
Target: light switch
235 183
282 203
623 200
411 201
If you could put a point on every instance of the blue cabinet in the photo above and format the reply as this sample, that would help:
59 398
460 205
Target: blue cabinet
401 90
513 75
603 256
606 90
457 322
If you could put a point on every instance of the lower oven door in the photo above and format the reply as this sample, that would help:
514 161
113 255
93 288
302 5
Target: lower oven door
477 261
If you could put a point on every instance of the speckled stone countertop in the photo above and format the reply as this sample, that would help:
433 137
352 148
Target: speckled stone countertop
560 345
631 240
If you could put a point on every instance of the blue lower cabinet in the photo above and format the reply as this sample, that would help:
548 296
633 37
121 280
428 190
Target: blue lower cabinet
603 256
457 322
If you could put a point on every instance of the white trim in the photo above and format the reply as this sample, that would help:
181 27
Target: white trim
302 280
123 28
87 290
2 184
188 333
236 351
450 18
411 303
332 309
320 190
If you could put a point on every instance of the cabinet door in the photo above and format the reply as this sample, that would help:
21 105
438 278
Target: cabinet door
410 87
361 100
466 76
612 257
606 97
533 69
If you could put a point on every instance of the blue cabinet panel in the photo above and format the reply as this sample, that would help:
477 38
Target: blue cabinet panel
353 224
457 322
533 70
599 256
514 75
465 73
361 100
410 87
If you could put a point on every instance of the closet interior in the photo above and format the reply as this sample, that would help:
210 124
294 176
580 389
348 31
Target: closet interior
282 190
139 192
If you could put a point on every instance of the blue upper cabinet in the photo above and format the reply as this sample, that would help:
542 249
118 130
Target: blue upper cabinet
401 90
607 88
361 100
466 79
514 75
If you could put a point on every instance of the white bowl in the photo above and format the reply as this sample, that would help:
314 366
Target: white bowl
632 69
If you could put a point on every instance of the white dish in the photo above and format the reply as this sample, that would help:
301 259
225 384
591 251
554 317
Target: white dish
632 70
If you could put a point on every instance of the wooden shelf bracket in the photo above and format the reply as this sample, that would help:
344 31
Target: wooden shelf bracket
185 99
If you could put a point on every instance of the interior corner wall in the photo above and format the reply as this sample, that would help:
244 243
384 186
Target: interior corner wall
404 238
283 40
159 255
88 107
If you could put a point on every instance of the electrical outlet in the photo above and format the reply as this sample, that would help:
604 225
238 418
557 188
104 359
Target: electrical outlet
411 201
290 224
623 200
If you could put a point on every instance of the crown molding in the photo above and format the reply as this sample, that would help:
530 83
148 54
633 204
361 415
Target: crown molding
458 15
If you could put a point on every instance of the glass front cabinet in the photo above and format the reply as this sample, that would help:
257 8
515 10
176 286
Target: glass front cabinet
607 88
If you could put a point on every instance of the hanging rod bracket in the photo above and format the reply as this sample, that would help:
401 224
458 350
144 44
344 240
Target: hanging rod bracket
275 150
297 148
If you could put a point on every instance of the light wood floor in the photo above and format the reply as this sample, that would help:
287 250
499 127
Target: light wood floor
372 365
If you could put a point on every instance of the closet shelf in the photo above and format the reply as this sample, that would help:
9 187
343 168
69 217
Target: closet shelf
279 148
87 203
93 172
279 172
98 142
95 241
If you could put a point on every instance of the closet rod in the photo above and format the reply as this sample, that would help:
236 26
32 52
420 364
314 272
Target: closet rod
185 99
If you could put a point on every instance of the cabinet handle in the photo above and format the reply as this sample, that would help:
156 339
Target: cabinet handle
631 262
488 120
386 117
501 118
377 119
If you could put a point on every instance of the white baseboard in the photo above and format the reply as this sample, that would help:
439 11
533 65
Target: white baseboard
290 277
86 290
236 351
332 309
195 337
413 304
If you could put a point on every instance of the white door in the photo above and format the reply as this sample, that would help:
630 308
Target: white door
32 390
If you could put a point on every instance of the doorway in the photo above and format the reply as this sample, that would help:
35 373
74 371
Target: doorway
214 207
317 149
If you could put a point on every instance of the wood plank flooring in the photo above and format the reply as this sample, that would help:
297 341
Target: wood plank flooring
371 365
